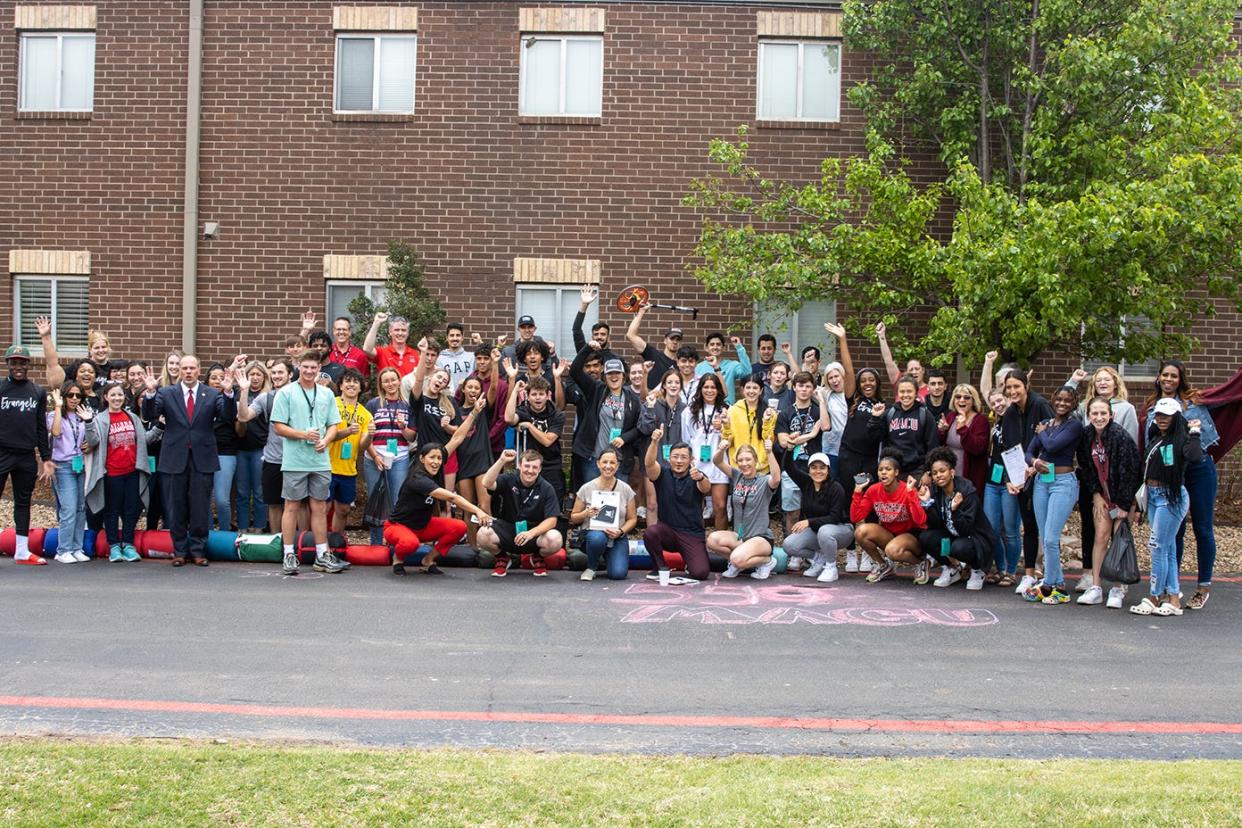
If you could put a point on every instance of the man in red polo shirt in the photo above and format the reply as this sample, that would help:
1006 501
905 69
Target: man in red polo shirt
344 351
397 354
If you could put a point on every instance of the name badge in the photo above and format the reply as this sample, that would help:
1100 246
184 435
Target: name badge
666 449
1049 476
151 463
998 472
614 434
798 452
76 464
520 526
705 452
1166 455
392 446
347 450
944 547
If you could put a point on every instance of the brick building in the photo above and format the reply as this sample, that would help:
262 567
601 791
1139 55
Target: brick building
521 149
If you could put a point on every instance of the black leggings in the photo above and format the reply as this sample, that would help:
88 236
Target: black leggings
1086 510
1030 529
21 466
121 503
962 550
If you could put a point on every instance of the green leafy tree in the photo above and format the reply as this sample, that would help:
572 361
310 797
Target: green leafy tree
405 294
1092 162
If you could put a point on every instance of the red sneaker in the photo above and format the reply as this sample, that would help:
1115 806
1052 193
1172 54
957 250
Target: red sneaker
537 564
502 568
33 560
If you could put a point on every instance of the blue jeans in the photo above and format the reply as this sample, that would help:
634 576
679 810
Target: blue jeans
395 477
1165 516
222 490
595 544
1054 502
1005 515
1201 483
585 470
251 511
70 489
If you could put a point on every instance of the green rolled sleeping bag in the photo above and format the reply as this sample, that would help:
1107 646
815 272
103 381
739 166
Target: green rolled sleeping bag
259 548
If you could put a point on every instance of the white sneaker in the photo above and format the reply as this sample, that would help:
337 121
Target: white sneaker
762 572
816 567
865 564
65 557
588 574
1094 595
731 571
922 571
976 580
80 557
949 575
641 511
794 565
829 574
1026 583
851 560
1116 597
1085 583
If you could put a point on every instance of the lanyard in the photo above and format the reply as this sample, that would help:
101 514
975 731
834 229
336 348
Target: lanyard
351 417
751 419
310 401
77 433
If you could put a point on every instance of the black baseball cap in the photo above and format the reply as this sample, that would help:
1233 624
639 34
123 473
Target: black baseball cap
673 333
525 320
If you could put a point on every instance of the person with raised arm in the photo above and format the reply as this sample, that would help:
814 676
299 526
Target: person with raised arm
661 409
728 370
835 394
749 544
398 353
681 487
526 517
914 367
188 457
600 331
665 359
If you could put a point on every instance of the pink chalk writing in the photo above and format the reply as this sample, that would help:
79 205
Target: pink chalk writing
780 604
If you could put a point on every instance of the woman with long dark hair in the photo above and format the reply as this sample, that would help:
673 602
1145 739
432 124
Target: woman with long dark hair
67 424
860 445
116 483
1201 479
1025 411
700 428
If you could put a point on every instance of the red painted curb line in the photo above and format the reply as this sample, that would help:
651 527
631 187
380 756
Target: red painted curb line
645 720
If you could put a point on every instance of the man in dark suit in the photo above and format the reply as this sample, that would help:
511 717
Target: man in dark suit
188 456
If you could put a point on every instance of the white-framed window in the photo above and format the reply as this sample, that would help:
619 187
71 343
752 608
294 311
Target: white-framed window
341 293
57 72
375 73
799 80
63 299
802 327
553 308
1145 370
562 75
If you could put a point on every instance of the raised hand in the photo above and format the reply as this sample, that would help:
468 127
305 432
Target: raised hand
589 294
786 349
308 320
657 435
480 404
835 330
445 422
1079 375
558 370
880 329
508 456
877 410
43 326
501 340
380 317
735 341
151 381
476 339
991 356
955 502
511 370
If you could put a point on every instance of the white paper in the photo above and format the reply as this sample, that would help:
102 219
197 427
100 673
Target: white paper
1015 465
609 505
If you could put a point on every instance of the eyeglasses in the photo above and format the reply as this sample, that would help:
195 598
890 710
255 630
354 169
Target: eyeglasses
73 395
962 397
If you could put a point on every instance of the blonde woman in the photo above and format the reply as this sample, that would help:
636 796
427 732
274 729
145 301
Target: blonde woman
1106 383
964 429
171 374
98 348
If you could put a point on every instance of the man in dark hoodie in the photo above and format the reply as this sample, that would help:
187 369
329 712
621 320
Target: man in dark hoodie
607 416
23 405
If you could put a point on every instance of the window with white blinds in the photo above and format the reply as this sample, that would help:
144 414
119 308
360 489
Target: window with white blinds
801 327
340 294
553 308
64 299
375 73
562 75
57 72
799 80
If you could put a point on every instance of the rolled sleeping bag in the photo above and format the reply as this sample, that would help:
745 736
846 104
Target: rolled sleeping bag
222 546
305 544
556 560
460 555
259 548
782 560
368 555
51 541
88 543
8 541
576 560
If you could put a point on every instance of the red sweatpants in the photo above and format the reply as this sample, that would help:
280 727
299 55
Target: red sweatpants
439 531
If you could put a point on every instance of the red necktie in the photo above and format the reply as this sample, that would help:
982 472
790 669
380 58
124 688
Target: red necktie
189 406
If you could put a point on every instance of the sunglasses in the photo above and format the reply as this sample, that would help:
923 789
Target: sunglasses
73 395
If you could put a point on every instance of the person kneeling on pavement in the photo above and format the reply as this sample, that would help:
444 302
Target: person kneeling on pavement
680 489
525 523
825 526
958 534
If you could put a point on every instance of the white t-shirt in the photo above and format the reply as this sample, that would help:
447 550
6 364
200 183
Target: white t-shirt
623 490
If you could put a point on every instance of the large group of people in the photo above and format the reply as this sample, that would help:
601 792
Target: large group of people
711 453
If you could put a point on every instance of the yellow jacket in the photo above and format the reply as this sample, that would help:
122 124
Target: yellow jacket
747 430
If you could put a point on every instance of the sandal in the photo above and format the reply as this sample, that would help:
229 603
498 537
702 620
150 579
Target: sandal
1145 607
992 577
178 561
1198 600
1006 580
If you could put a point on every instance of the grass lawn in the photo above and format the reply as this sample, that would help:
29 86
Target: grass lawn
54 783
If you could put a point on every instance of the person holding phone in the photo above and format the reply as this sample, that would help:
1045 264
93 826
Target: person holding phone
891 540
